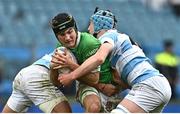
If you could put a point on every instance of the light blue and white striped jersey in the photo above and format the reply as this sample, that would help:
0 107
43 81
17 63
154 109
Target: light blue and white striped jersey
45 60
128 59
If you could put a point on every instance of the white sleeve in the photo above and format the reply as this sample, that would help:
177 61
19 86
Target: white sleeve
107 39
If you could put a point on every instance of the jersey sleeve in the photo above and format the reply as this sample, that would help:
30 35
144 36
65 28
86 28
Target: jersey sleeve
110 38
45 60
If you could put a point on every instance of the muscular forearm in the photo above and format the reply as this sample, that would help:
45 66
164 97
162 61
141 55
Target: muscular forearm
74 66
107 89
91 79
92 62
118 81
86 67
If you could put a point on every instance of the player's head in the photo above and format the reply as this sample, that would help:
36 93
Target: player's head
102 19
65 29
168 45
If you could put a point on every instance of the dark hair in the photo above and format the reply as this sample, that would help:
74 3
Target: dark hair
168 43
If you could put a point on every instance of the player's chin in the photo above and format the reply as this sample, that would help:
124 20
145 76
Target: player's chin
70 44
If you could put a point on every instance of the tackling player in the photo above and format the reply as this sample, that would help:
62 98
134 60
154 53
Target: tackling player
32 85
150 90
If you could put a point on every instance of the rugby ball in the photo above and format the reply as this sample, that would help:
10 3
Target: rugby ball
65 69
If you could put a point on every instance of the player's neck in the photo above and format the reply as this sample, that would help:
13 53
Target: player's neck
101 33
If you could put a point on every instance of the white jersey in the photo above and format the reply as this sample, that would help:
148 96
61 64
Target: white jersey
134 68
32 85
129 60
45 60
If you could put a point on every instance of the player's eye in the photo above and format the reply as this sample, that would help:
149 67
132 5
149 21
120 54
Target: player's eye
62 34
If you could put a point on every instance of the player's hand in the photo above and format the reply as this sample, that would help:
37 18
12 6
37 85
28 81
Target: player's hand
55 62
65 79
118 81
60 60
108 89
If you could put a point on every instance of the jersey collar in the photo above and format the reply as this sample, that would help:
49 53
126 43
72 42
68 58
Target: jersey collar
78 39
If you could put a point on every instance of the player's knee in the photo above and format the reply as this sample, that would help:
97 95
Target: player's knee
120 109
94 107
7 109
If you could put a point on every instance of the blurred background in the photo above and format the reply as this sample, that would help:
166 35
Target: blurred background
25 34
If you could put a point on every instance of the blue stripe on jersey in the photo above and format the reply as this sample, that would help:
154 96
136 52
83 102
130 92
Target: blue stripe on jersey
130 66
147 74
114 60
125 46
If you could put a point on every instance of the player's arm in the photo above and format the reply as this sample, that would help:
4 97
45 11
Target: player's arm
111 89
119 83
93 62
54 77
54 65
63 60
60 60
91 79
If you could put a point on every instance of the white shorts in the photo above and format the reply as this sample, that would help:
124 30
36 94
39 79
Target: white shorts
32 86
107 103
152 94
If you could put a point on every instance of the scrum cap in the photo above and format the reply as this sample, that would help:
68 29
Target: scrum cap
62 22
103 19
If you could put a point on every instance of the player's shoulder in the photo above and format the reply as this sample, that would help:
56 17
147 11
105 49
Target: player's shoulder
110 34
89 39
86 35
88 43
123 35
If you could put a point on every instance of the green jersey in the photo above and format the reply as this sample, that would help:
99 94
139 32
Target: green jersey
86 46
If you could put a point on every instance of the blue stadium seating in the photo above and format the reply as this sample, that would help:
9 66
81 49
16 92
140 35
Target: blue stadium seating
134 18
